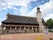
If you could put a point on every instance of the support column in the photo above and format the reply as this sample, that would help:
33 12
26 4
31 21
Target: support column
24 29
5 30
20 28
28 29
10 29
15 29
2 29
32 29
35 29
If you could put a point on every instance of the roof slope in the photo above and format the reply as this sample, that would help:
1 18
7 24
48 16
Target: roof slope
20 19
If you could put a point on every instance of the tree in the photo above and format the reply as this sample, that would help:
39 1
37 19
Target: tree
49 24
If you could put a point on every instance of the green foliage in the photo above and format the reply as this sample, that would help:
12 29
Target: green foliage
50 23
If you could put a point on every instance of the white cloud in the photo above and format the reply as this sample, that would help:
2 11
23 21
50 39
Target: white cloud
32 13
46 9
49 16
8 4
15 2
24 10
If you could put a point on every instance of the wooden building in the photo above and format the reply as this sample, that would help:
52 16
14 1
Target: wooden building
20 24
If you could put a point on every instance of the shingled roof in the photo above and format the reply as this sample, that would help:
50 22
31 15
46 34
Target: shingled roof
20 19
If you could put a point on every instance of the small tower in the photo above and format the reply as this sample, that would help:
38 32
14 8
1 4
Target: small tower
39 19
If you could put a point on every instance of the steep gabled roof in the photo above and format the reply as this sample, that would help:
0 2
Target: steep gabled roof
20 19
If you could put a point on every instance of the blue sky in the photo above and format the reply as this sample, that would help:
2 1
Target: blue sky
26 8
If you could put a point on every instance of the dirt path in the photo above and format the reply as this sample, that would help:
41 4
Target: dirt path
29 36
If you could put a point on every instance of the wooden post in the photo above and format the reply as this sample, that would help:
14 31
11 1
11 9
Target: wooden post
28 29
20 28
10 29
2 29
15 29
32 29
25 29
5 29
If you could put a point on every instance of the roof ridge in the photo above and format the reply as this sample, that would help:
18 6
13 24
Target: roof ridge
20 16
